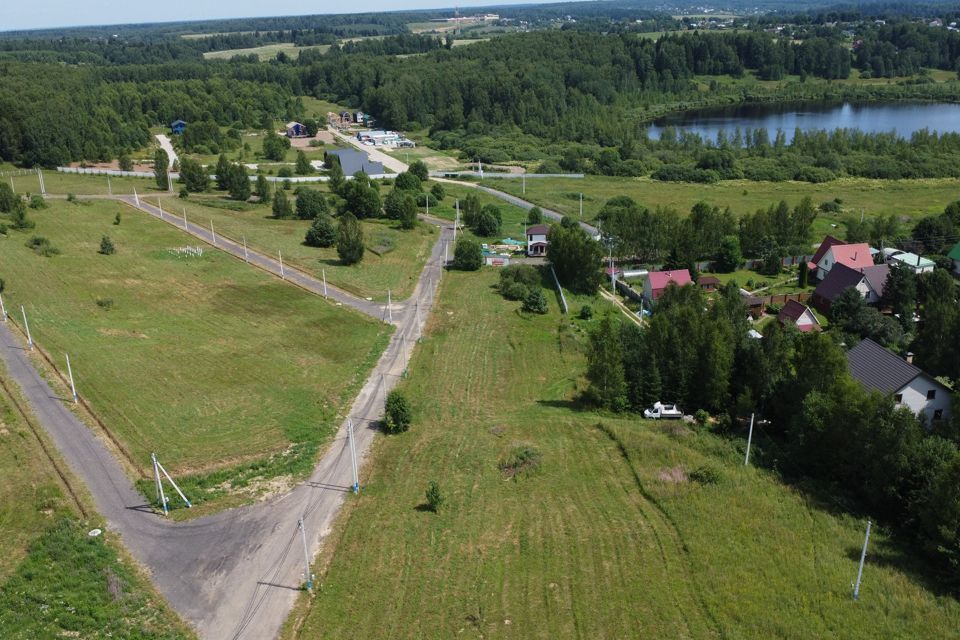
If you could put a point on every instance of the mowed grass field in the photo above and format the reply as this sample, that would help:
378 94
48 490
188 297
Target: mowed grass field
607 538
907 198
204 360
55 580
393 260
266 52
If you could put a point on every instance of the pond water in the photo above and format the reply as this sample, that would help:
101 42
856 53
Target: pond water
902 117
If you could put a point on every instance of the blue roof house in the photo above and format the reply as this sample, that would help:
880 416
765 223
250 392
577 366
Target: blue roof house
177 127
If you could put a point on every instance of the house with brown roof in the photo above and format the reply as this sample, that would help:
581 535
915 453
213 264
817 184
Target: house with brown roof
708 283
869 281
877 369
799 315
828 241
658 281
537 240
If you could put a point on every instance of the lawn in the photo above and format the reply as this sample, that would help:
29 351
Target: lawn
208 362
266 52
908 198
608 538
393 260
55 580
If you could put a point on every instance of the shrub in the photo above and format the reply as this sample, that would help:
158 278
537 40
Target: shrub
398 416
116 219
42 246
419 169
184 194
438 192
18 217
38 202
284 172
105 303
516 280
106 246
586 312
706 474
701 416
522 460
434 497
534 216
535 302
468 256
3 229
71 197
350 239
321 233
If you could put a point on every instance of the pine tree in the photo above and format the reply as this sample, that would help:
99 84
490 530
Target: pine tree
106 246
223 172
303 166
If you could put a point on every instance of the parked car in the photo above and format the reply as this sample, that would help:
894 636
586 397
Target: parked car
660 410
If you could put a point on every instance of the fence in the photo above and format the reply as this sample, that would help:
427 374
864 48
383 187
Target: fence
629 291
87 171
19 173
498 174
563 298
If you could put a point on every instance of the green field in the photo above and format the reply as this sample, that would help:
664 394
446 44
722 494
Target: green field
266 52
907 198
204 360
609 538
403 253
55 581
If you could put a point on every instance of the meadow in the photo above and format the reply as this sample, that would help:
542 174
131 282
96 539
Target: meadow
619 528
393 260
220 368
266 52
55 580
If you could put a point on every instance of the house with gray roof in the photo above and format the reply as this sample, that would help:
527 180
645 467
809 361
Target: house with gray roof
878 369
869 281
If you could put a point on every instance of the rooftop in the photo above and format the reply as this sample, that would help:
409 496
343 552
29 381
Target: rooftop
913 260
538 230
878 369
354 161
955 252
853 255
659 280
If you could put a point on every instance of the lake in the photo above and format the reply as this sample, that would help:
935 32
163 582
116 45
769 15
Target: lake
903 117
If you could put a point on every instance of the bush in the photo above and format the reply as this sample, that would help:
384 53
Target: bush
438 192
116 219
321 233
3 229
815 175
398 416
184 194
105 303
706 474
701 417
516 281
522 460
419 169
18 217
434 497
42 246
284 172
38 202
535 302
468 256
106 246
350 245
586 312
534 216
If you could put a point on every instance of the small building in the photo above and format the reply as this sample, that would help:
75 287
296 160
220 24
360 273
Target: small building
708 283
296 130
177 127
658 281
359 117
537 240
799 315
346 118
913 262
869 281
878 369
955 256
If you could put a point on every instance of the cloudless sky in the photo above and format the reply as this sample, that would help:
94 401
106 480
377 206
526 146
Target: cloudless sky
63 13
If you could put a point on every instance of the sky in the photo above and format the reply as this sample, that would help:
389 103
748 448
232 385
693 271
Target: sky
41 14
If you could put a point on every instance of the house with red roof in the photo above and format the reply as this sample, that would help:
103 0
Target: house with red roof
799 315
658 281
833 252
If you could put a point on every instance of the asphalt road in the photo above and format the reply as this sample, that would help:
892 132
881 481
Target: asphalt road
235 574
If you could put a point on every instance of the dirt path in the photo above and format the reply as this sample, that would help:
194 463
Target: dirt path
235 574
167 146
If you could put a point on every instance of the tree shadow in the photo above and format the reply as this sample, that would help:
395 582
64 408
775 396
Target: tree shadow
893 553
423 507
576 404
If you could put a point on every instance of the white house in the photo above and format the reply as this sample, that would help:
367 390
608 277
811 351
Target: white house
878 369
855 256
537 240
912 261
799 315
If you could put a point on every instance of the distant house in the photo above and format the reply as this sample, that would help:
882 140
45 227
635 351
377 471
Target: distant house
708 283
799 315
869 281
878 369
912 261
855 256
358 117
658 281
296 130
955 256
177 127
537 240
346 118
353 161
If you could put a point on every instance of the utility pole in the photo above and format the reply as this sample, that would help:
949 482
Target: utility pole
523 176
73 387
159 467
246 258
324 273
213 233
456 222
109 186
581 205
863 557
160 206
156 476
12 186
27 327
3 309
746 460
306 556
43 187
389 307
353 456
280 254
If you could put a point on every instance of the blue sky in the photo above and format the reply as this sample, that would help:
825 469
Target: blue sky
61 13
